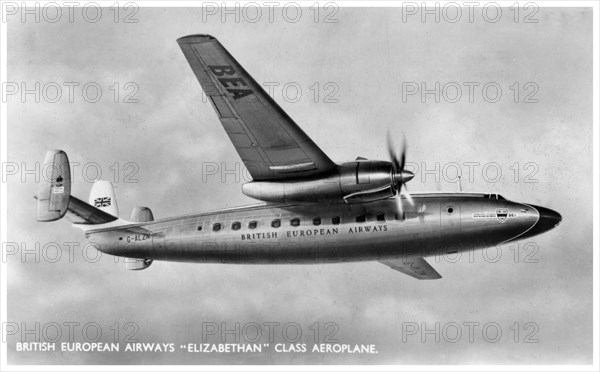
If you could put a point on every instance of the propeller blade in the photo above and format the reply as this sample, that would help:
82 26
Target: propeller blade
392 153
408 197
403 154
421 213
399 207
397 159
399 175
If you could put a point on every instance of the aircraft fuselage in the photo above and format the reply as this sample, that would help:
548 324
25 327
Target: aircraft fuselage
436 224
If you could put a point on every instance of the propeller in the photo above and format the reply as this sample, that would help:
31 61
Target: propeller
400 176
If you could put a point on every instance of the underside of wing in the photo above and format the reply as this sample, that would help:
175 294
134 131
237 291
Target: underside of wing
416 267
270 143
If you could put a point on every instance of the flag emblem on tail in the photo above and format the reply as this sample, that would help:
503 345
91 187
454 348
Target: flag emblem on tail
102 202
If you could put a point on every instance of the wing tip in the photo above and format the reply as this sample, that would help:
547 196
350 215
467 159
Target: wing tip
196 38
417 268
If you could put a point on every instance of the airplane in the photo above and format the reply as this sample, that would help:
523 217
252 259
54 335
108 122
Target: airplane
313 210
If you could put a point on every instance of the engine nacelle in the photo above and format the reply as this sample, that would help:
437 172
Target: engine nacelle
352 182
137 263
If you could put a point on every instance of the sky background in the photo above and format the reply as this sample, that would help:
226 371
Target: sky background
172 137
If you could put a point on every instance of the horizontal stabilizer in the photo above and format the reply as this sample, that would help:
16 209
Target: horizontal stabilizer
80 212
416 267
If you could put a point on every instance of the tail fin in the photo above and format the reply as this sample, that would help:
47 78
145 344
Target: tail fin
54 199
102 196
54 191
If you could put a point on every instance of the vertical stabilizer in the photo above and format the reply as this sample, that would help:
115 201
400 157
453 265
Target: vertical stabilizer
103 197
141 214
54 190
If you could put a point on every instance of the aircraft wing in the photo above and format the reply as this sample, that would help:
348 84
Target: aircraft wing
270 143
416 267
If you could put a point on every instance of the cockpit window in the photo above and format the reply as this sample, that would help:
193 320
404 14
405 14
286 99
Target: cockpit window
494 196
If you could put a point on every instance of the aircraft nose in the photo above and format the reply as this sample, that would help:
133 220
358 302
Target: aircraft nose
404 176
548 220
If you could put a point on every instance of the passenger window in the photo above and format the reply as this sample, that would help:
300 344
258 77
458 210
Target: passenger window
400 216
295 222
199 228
236 226
381 217
361 218
276 223
317 221
335 220
217 227
252 224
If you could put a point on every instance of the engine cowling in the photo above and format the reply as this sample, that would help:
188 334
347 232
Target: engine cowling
137 263
352 182
366 180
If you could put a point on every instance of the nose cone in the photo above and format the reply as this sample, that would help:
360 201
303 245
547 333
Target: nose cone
404 176
548 219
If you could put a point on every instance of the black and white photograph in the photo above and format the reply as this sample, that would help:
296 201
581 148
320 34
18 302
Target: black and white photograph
272 185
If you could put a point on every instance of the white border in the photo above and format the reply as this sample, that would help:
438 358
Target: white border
596 190
3 209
